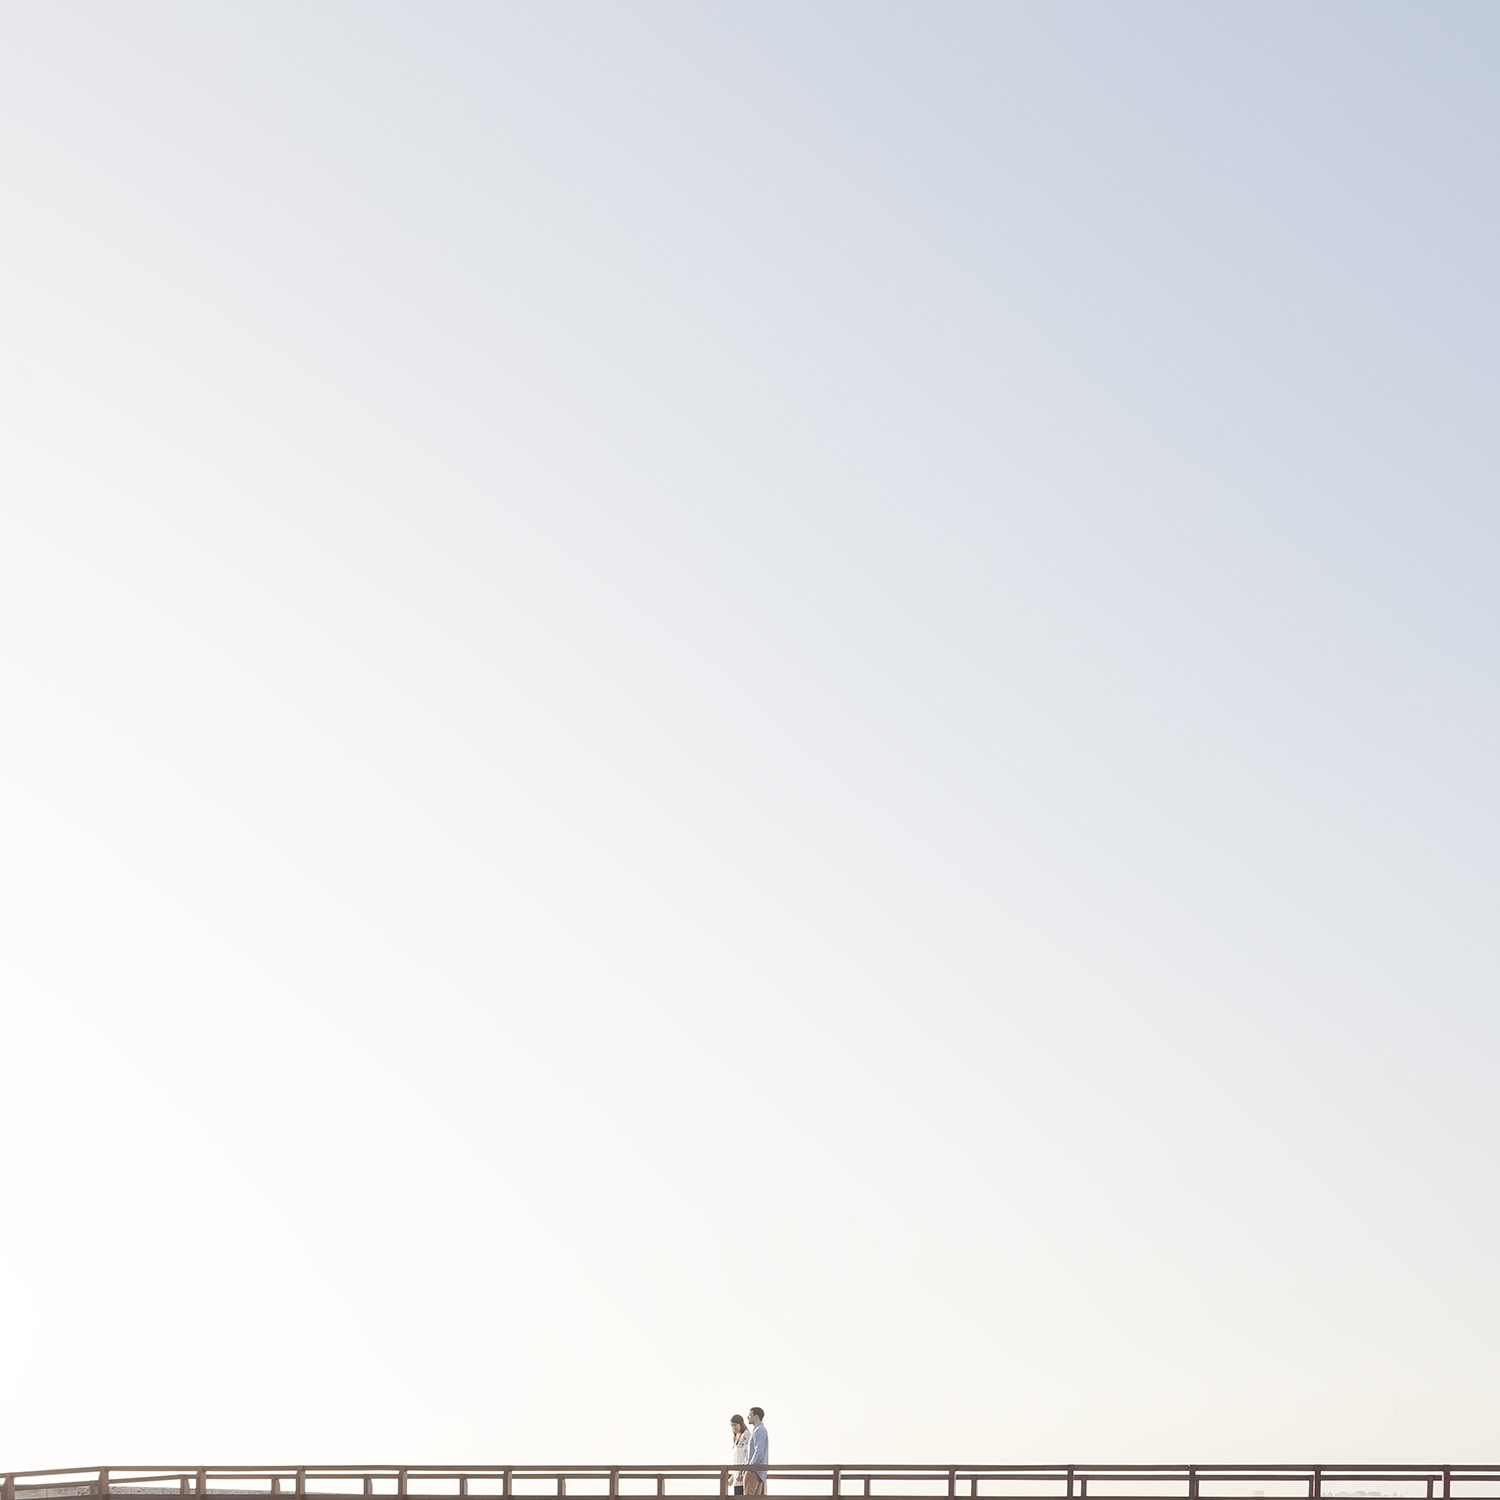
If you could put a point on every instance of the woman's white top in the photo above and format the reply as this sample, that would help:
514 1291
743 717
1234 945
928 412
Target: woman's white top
741 1451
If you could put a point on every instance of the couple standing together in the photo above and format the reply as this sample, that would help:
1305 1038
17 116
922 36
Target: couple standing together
752 1452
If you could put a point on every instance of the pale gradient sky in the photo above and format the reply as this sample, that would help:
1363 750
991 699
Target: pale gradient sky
776 703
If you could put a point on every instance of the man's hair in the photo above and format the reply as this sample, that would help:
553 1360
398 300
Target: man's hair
757 1413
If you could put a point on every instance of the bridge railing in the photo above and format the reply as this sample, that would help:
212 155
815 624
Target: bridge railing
785 1481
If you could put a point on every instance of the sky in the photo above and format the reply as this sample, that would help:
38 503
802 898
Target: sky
720 704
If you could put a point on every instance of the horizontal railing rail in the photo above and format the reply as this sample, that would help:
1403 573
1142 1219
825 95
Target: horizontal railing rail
785 1481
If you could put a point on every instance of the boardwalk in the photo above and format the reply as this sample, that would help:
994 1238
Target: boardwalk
787 1481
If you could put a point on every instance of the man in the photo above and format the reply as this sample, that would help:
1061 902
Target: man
760 1453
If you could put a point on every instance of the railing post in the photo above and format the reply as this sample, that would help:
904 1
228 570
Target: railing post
614 1484
953 1484
723 1482
301 1484
1192 1484
8 1488
838 1483
202 1487
463 1484
1315 1485
1070 1484
562 1485
1447 1485
103 1484
505 1487
369 1485
401 1482
182 1488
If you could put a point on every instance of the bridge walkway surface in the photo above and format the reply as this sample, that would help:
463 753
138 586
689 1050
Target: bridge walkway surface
785 1481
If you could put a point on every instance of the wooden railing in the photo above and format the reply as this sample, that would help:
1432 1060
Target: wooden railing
786 1481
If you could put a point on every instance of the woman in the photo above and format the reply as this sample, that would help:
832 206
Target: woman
740 1435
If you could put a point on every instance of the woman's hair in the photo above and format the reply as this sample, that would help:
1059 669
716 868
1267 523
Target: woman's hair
737 1421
